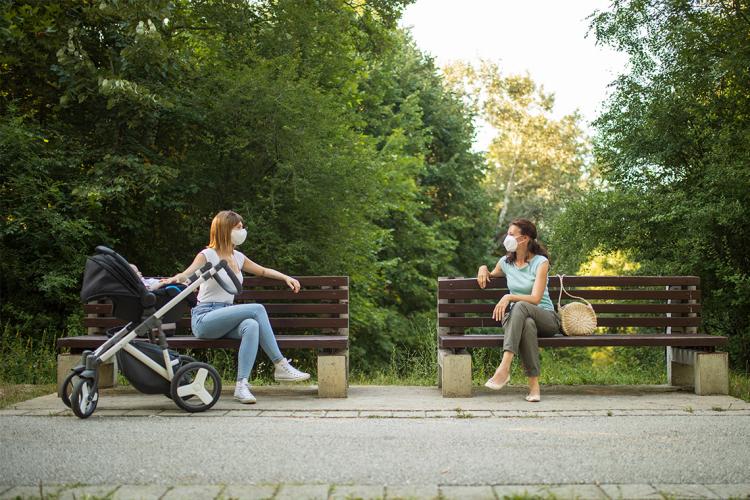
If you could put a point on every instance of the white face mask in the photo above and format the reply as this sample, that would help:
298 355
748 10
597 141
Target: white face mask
510 243
238 236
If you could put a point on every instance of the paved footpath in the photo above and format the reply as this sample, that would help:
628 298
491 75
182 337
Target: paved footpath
384 442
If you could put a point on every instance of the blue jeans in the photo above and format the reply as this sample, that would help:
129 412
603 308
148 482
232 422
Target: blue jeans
246 322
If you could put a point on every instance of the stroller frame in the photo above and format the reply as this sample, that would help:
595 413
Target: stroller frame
188 381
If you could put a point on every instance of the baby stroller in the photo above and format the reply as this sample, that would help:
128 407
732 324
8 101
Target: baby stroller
147 362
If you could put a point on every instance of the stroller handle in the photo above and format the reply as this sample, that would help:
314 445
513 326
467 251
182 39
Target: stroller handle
235 288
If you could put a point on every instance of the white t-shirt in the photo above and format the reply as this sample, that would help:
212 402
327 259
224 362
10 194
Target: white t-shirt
211 291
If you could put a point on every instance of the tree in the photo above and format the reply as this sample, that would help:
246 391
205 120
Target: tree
672 145
536 161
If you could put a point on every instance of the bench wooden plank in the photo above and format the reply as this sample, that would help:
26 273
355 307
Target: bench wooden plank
487 307
276 323
496 294
263 295
190 342
574 281
272 308
304 281
602 321
674 340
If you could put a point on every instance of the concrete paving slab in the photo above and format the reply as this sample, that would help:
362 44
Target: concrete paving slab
467 493
12 412
440 413
183 492
302 492
139 492
409 414
209 414
87 492
248 491
51 412
342 414
357 492
242 413
375 414
29 492
515 490
730 490
631 491
685 491
309 414
141 413
577 491
173 413
406 492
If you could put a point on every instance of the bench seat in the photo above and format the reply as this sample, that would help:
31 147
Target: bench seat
638 340
336 342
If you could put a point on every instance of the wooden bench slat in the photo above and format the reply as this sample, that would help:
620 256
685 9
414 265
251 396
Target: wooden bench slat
471 283
487 307
304 294
602 321
276 323
273 308
304 281
190 342
675 340
496 294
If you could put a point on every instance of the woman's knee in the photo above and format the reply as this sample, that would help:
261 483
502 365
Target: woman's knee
249 328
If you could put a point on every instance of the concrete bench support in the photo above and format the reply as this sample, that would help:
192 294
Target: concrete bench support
107 371
706 372
333 374
454 370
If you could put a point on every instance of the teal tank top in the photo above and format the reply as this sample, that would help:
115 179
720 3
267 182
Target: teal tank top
521 281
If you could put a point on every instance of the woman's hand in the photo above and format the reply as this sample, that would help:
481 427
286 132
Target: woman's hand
483 276
500 308
177 278
293 284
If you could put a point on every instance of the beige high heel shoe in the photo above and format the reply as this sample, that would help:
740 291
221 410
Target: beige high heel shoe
496 387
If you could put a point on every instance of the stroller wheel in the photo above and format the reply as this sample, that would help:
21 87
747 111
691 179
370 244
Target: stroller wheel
84 398
196 379
184 359
67 387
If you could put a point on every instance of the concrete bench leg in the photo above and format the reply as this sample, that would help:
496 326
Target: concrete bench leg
455 374
107 371
333 374
706 372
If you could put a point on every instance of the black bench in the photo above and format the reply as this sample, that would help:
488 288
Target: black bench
315 318
631 311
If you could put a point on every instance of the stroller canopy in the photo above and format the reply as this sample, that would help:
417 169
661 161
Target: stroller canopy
109 276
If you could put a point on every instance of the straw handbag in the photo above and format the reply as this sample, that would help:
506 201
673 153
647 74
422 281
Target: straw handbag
577 318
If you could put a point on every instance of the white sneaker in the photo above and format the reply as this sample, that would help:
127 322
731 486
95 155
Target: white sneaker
284 372
242 393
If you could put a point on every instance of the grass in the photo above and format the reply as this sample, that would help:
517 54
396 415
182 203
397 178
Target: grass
11 394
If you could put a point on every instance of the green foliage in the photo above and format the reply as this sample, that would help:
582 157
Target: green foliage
673 149
132 123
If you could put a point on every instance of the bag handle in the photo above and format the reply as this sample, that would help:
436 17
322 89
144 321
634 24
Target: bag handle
562 289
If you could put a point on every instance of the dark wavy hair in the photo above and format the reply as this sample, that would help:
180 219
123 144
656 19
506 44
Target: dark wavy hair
527 229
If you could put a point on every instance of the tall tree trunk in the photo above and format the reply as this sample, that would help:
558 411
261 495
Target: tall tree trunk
508 192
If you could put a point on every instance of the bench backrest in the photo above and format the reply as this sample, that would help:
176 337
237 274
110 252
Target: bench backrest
321 306
623 304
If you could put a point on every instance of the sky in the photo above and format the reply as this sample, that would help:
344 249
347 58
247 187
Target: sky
546 38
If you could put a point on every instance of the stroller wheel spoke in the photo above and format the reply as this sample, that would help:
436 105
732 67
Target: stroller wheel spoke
200 378
204 396
186 390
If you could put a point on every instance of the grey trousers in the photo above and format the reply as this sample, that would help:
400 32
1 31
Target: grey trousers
526 323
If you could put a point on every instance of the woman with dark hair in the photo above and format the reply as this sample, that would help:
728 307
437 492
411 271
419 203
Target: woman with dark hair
531 313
